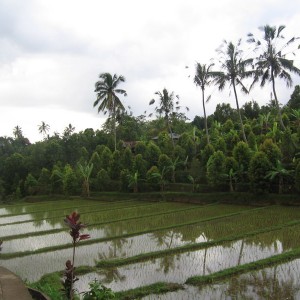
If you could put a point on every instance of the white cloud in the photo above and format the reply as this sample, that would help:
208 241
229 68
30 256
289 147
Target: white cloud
57 118
53 51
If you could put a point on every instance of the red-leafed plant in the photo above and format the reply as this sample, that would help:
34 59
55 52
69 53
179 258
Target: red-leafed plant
72 221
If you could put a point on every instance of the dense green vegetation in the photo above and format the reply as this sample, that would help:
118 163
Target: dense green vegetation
249 148
268 162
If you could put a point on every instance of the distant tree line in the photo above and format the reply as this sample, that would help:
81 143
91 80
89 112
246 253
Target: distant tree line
146 157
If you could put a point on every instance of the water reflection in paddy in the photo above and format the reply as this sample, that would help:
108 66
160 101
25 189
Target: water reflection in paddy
184 265
44 206
278 282
161 239
61 212
126 226
32 267
179 267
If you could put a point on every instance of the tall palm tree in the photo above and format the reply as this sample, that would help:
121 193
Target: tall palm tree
17 132
43 129
69 130
203 78
235 69
107 98
272 63
168 103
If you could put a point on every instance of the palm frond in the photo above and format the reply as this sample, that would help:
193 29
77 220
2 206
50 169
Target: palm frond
279 30
287 77
152 101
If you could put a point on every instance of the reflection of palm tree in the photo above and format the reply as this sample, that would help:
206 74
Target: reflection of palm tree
241 252
111 231
167 263
111 274
204 261
165 238
159 236
38 223
263 284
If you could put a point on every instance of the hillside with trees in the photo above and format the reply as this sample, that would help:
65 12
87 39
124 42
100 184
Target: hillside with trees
249 148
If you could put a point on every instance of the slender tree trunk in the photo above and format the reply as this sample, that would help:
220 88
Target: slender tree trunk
114 125
205 119
238 109
276 102
170 130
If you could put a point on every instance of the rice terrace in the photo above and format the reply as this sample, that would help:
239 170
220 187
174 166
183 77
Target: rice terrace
165 204
146 249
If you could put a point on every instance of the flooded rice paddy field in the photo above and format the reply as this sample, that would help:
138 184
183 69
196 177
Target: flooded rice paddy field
279 282
123 229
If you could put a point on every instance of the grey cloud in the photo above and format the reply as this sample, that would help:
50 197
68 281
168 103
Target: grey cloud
21 27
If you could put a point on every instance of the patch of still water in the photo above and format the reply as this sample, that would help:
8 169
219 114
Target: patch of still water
278 282
178 268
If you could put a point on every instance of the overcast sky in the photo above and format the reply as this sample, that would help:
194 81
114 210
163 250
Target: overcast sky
52 51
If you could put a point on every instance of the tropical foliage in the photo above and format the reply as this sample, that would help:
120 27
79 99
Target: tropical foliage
107 97
247 148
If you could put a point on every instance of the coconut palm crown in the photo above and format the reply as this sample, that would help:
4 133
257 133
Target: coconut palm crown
235 69
203 78
107 98
168 103
272 61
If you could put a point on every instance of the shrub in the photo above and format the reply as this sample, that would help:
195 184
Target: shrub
297 178
215 169
102 180
258 169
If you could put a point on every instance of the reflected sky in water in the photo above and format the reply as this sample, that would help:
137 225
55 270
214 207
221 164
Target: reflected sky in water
172 268
278 282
